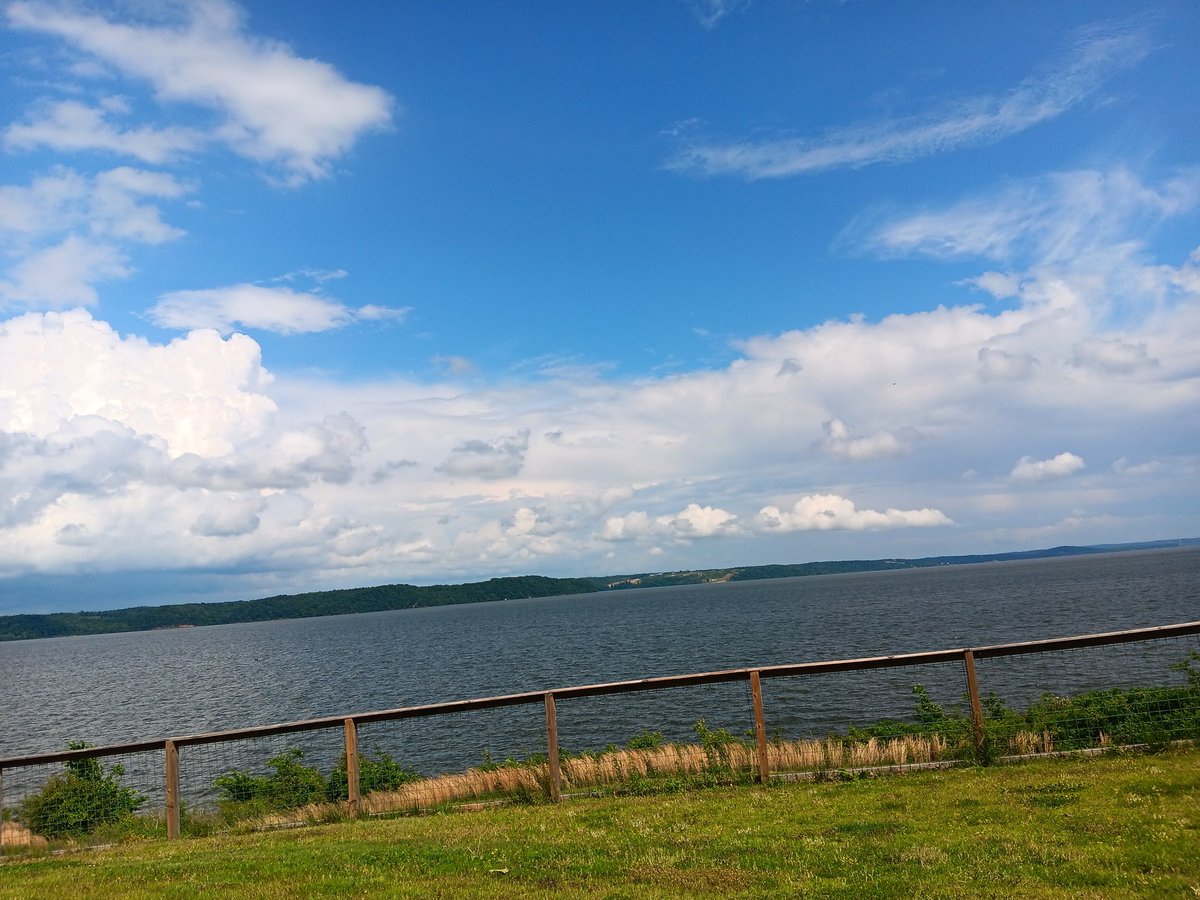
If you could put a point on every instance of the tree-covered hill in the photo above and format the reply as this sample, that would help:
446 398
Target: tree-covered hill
293 606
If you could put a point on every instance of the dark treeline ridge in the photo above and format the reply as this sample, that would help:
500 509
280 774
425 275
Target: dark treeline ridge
406 596
288 606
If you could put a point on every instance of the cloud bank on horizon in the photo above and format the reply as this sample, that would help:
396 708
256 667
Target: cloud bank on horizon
391 295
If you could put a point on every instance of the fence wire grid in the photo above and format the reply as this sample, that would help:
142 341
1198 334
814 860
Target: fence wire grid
85 801
669 736
1145 693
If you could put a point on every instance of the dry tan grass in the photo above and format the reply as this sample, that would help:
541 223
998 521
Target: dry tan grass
616 767
16 835
1026 743
474 784
815 756
619 766
427 793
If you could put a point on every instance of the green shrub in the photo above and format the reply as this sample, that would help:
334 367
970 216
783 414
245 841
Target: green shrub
931 719
716 744
489 764
1191 676
1151 716
292 784
80 800
381 773
646 740
1140 715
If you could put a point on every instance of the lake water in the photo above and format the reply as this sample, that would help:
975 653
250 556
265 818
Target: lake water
124 687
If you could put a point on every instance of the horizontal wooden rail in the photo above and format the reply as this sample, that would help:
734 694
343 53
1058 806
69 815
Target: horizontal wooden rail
1089 640
86 753
667 682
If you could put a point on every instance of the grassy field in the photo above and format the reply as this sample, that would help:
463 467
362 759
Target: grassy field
1116 826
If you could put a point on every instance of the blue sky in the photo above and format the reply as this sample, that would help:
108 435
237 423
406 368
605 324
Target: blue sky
296 296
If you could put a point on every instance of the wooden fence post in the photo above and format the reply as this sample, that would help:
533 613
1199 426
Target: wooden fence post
554 787
760 728
352 767
1 809
171 788
976 706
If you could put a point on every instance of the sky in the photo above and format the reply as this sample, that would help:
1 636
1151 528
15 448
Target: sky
310 295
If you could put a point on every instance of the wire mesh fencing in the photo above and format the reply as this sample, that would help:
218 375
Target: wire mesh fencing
81 801
260 781
1071 694
657 739
1137 694
855 719
464 757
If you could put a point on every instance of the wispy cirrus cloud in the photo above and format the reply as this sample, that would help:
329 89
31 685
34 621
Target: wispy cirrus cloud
1097 53
1078 242
710 12
1054 218
253 306
70 126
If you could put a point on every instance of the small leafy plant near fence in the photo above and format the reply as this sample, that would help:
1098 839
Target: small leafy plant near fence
80 800
291 784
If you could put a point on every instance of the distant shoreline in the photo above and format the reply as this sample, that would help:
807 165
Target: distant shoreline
389 597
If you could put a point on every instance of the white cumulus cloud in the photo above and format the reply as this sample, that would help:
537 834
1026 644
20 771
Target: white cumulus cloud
229 516
843 444
199 394
826 512
1030 469
490 459
1112 355
1000 285
1000 365
693 521
110 204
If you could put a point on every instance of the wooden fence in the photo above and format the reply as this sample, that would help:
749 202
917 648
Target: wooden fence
549 698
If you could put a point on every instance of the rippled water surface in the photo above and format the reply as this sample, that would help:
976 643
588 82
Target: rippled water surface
123 687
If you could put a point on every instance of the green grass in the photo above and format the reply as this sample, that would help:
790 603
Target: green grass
1116 826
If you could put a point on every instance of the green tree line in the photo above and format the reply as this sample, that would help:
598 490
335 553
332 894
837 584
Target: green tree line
406 596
